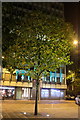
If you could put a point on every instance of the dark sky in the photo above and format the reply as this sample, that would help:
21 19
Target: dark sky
72 15
71 12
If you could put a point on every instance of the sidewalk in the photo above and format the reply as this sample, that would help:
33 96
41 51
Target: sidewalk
18 109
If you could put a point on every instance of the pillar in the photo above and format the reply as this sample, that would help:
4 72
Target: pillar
60 74
50 76
18 93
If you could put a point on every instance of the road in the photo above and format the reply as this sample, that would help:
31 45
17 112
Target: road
46 109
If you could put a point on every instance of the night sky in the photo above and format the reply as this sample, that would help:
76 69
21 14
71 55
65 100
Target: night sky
72 15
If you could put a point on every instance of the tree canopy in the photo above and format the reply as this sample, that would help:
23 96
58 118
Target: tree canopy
73 79
43 42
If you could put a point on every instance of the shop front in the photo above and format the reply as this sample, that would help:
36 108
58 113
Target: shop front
17 93
7 92
52 94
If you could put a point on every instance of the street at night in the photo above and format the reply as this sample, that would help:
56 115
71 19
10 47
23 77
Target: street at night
46 109
40 68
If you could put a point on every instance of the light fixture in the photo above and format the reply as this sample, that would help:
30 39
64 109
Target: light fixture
2 57
24 113
47 115
75 42
69 71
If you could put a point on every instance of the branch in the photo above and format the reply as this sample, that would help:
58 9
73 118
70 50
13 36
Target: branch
41 72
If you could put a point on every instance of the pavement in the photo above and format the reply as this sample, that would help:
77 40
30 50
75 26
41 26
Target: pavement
47 109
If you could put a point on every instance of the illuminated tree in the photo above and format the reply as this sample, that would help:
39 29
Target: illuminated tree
43 43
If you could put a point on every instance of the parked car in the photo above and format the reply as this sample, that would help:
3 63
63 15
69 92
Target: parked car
69 97
77 100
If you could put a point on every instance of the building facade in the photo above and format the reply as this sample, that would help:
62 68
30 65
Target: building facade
23 87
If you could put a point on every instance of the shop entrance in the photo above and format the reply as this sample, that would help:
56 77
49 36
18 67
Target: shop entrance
26 93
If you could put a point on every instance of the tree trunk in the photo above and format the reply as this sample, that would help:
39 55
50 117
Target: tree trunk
36 99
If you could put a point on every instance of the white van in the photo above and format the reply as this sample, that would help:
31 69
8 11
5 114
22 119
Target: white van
77 100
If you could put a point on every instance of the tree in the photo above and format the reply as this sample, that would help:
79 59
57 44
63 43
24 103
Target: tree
70 77
9 61
77 86
11 21
76 82
43 43
70 82
73 80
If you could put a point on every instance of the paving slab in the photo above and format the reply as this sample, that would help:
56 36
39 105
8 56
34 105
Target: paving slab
23 109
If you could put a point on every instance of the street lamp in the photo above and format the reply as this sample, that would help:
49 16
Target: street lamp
75 42
2 57
69 71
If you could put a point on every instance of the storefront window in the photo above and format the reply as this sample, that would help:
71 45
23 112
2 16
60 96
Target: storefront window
44 93
7 92
56 94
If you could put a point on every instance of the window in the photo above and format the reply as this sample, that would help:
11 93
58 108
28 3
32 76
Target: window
58 70
53 79
19 78
25 78
58 79
48 78
63 80
44 93
63 70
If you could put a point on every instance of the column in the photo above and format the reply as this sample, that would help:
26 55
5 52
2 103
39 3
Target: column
44 78
50 76
18 93
60 74
29 76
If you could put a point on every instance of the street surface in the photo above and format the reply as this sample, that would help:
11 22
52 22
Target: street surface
46 109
